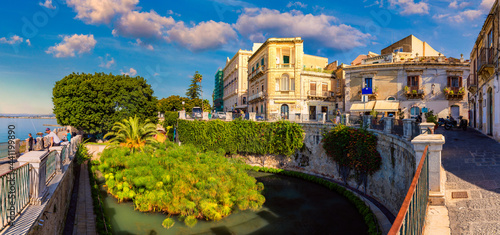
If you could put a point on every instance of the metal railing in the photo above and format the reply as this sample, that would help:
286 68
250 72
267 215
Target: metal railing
485 58
50 169
411 216
14 188
64 153
318 93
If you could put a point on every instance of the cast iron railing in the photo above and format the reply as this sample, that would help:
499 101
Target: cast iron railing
411 216
14 189
51 166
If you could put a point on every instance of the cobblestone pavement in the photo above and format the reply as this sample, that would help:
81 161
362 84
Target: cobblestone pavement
472 164
85 218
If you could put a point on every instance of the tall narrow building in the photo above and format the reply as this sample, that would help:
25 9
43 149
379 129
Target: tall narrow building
219 91
235 82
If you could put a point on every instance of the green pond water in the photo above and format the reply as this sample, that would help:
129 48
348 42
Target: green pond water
293 206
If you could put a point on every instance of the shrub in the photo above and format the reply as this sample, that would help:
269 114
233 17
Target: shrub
242 136
179 180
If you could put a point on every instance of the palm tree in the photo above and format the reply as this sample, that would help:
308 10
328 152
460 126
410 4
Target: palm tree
132 133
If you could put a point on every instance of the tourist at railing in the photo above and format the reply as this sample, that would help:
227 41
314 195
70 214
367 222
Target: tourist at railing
53 138
30 142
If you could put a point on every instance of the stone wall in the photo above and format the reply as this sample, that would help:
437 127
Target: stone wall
54 212
388 186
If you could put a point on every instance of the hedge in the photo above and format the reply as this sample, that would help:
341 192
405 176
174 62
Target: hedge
243 136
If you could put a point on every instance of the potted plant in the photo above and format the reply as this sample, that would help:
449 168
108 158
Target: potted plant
446 90
461 91
407 89
414 92
430 117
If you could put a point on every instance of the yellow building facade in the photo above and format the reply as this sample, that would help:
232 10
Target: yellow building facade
285 83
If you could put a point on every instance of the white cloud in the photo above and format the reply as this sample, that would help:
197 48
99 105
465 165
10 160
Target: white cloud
260 23
28 42
298 4
14 39
106 62
131 72
139 42
205 35
170 12
486 5
456 5
47 4
100 11
142 25
73 44
410 7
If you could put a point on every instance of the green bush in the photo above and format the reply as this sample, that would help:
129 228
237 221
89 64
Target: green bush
242 136
180 180
103 225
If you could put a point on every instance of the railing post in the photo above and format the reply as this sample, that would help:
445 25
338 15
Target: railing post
252 116
408 128
182 114
426 126
436 174
388 124
58 157
38 188
17 147
229 116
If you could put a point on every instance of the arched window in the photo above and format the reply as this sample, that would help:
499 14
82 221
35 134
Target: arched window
284 82
391 98
414 111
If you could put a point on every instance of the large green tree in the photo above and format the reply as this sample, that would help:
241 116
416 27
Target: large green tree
194 90
94 102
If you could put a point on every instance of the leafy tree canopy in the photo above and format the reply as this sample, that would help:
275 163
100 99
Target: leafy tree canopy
174 103
94 102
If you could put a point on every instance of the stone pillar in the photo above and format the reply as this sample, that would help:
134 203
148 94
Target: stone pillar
407 128
426 126
38 160
58 157
367 121
205 116
436 173
229 116
252 116
388 124
346 119
323 118
17 147
182 114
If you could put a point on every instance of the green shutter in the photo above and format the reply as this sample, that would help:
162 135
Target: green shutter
286 59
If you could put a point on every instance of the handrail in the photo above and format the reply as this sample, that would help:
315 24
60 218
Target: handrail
19 185
50 166
414 225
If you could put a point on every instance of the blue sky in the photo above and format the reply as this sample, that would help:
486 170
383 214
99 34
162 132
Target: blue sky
167 41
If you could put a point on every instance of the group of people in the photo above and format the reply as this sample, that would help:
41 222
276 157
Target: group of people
54 140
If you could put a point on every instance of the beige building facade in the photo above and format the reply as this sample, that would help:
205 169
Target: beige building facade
484 83
235 81
285 83
405 85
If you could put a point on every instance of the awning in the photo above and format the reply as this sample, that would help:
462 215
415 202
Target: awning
386 106
362 107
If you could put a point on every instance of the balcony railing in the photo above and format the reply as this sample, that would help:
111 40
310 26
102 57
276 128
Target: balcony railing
285 65
471 83
454 93
411 216
414 92
256 96
485 60
256 73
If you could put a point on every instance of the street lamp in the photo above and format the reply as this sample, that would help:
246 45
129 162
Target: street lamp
183 105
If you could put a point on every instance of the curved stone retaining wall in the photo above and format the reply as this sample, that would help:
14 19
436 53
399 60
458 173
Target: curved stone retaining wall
388 186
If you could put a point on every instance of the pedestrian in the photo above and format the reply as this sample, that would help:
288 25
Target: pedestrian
337 120
30 142
53 139
68 136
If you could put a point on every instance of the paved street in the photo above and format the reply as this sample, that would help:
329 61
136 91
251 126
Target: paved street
472 164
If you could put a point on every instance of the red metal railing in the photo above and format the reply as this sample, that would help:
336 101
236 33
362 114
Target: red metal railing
411 216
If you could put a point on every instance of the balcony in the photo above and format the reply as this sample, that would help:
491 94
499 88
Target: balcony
454 93
256 74
485 63
472 83
279 66
256 97
320 95
414 93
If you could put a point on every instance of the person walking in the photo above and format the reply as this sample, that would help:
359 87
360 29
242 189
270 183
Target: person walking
337 119
53 139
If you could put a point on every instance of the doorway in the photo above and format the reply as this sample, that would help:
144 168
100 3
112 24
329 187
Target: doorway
480 108
489 111
324 109
455 111
284 111
312 112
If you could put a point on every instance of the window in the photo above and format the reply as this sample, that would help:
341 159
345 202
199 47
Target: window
490 39
286 59
391 98
413 81
454 82
312 88
244 100
262 61
368 82
262 87
399 49
292 84
284 82
277 84
415 111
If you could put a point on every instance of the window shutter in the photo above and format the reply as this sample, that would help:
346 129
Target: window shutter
459 81
408 81
449 82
